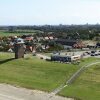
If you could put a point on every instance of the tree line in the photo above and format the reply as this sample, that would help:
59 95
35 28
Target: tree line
85 32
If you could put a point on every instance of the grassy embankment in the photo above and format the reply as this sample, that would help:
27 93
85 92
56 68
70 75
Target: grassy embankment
86 87
34 73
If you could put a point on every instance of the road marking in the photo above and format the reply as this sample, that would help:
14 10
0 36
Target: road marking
10 97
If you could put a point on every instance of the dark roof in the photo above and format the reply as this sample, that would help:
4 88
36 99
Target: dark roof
66 42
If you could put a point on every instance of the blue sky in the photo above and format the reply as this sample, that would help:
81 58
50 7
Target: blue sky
40 12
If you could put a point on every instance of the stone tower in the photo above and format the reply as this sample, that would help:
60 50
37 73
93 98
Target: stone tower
19 48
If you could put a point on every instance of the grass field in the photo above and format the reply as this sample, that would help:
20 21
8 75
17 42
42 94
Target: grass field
34 73
87 86
13 34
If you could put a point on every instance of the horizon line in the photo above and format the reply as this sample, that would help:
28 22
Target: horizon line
49 24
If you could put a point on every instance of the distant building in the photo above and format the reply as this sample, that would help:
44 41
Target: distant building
66 42
28 39
70 43
49 38
65 58
60 58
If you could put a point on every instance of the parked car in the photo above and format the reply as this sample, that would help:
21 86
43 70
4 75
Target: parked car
92 54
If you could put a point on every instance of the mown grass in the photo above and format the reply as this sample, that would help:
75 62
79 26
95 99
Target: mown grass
86 87
34 73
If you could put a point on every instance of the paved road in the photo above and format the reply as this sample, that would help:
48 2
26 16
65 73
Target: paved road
72 78
7 97
8 92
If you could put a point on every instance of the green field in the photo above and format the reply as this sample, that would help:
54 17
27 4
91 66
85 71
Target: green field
34 73
86 87
13 34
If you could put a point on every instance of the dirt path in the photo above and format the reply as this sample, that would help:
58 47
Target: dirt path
8 92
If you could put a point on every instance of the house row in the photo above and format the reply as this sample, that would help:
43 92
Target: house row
32 42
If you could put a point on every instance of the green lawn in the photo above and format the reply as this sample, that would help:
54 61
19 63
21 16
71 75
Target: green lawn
34 73
86 87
